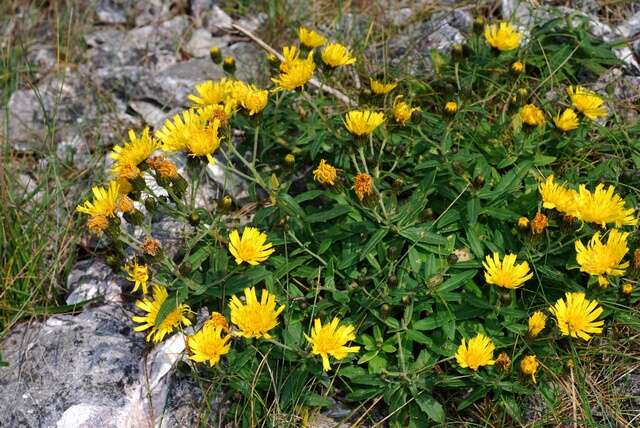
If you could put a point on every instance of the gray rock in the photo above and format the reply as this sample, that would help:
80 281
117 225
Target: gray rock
251 62
111 12
140 12
89 359
630 27
212 18
92 278
43 58
202 41
74 150
151 114
252 23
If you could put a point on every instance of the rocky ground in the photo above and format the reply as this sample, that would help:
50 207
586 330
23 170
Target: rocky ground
89 368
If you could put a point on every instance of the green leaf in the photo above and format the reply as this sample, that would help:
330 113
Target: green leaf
322 216
316 400
430 406
373 241
456 281
290 206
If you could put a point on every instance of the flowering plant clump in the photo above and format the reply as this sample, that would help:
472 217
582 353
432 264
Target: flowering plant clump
414 245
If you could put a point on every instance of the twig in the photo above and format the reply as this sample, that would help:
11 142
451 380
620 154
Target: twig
313 82
573 398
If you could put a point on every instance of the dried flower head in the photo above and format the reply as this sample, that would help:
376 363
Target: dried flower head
529 366
503 361
97 223
151 246
363 185
125 204
331 340
539 223
325 173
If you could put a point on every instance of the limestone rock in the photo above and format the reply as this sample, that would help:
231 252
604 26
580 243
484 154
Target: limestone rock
92 278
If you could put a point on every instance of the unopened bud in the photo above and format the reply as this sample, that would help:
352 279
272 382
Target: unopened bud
215 54
229 65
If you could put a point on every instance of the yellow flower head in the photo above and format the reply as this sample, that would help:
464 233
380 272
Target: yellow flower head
194 132
325 173
603 259
296 73
506 273
502 36
131 154
363 185
335 55
402 111
532 115
251 248
125 204
603 207
222 112
290 55
566 121
330 340
626 288
310 38
517 67
104 201
209 344
204 140
255 100
451 107
523 222
587 102
253 318
537 322
557 196
529 366
476 353
576 316
139 275
159 329
212 92
539 223
363 122
381 88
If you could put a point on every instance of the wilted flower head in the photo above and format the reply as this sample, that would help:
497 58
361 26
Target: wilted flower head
532 115
159 329
163 167
325 173
335 55
255 318
252 248
603 259
151 246
310 38
503 361
476 353
539 223
587 102
363 122
381 88
330 340
502 36
576 316
529 366
506 273
566 121
603 207
537 322
363 185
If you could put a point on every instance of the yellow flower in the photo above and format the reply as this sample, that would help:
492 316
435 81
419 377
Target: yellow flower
532 115
502 36
253 318
537 322
627 288
478 352
603 207
208 345
380 88
451 107
506 273
125 204
539 223
335 55
557 196
402 111
255 100
363 122
139 275
130 155
566 121
290 55
222 112
251 248
204 141
159 329
576 316
325 173
310 38
193 132
529 366
330 340
212 93
517 67
587 102
523 222
363 185
603 259
296 73
104 201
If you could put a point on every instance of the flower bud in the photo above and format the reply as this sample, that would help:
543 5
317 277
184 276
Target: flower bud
215 54
229 65
134 217
194 219
150 204
289 160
